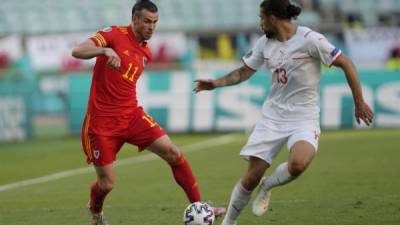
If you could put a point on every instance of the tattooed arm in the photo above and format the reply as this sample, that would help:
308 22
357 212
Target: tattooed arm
235 77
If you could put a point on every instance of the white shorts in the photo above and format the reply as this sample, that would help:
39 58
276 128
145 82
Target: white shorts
268 138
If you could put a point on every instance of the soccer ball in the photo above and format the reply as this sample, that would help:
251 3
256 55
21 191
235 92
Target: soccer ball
198 213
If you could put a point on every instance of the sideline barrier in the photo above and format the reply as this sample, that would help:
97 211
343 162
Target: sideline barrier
168 97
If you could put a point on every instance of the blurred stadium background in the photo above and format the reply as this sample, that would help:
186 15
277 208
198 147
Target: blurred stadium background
43 97
43 90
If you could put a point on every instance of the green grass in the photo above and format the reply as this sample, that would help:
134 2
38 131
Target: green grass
354 180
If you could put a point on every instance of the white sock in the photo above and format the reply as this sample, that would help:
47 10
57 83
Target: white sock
239 199
279 177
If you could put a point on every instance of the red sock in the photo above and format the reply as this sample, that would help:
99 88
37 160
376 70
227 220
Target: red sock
184 177
96 198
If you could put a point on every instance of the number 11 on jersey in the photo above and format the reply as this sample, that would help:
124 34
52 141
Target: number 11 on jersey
128 76
150 120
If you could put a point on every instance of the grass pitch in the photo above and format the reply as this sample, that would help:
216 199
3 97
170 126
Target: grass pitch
354 180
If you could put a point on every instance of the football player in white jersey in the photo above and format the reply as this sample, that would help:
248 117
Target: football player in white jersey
290 115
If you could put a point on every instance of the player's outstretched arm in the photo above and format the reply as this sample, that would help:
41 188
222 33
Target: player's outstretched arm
235 77
88 50
362 111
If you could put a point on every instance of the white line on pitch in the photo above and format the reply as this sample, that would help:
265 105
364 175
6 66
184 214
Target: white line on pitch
128 161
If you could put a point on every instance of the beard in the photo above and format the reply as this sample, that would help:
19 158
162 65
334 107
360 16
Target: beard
269 34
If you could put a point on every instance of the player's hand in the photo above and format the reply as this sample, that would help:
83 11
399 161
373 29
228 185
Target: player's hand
204 84
113 59
364 113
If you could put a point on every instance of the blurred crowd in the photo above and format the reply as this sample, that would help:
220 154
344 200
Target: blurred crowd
204 29
351 13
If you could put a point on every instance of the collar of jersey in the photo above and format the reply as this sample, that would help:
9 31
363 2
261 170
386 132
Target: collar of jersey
134 39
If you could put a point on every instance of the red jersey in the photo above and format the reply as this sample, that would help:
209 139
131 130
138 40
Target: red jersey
113 91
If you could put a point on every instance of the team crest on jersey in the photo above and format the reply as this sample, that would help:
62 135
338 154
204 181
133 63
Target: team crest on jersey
144 61
96 154
106 29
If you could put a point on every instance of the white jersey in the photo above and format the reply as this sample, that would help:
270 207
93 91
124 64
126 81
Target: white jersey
295 66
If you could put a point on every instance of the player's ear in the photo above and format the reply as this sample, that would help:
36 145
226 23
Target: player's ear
273 19
136 17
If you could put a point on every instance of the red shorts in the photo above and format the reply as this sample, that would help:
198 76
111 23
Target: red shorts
103 136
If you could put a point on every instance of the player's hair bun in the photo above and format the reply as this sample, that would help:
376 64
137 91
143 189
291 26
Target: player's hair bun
293 11
282 9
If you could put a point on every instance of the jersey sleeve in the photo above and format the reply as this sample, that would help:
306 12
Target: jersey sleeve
322 49
255 57
103 38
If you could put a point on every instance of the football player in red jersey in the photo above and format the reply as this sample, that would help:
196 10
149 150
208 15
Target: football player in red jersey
113 115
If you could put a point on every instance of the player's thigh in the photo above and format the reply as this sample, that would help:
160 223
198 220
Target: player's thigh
308 131
105 175
265 142
302 152
102 138
164 148
303 145
99 149
104 171
143 131
104 149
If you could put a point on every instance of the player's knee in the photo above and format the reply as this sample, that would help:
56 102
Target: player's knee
297 168
172 155
251 181
106 184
